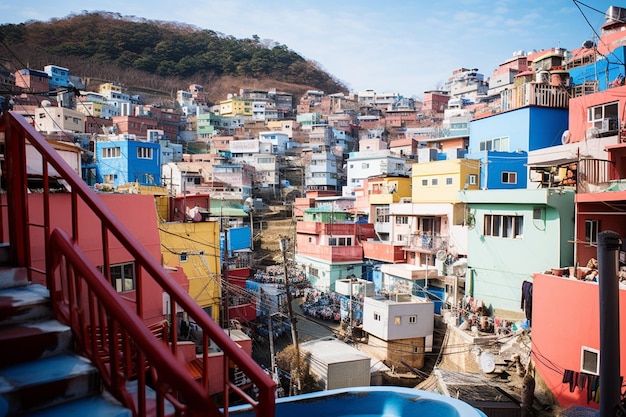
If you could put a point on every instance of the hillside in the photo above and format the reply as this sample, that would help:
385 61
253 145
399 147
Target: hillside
159 57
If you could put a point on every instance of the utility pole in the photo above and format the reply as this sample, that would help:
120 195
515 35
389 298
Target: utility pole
292 318
225 318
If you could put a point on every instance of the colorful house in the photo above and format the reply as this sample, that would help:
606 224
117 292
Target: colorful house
122 161
329 245
511 236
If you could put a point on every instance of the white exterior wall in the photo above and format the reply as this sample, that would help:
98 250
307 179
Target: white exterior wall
387 311
337 364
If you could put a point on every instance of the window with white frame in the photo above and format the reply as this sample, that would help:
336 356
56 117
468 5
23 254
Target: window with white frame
144 153
472 179
509 177
592 228
424 183
402 219
604 117
500 144
412 319
449 181
115 152
382 214
590 360
511 227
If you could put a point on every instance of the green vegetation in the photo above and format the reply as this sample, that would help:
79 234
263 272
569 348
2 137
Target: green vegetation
159 48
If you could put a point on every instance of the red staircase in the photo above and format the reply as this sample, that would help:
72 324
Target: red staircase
120 355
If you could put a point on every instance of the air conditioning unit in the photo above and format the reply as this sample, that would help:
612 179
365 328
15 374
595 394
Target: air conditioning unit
604 127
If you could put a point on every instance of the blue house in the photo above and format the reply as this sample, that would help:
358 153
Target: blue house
605 72
122 161
502 143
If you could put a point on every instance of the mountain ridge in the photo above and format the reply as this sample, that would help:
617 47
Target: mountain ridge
160 56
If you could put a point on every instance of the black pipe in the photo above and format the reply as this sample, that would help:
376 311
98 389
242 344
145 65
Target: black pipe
608 245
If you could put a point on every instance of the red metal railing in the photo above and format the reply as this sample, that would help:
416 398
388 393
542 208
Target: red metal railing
108 331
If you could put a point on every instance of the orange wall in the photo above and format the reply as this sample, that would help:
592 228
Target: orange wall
565 317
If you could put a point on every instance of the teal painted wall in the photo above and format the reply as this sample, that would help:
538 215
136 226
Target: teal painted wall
500 265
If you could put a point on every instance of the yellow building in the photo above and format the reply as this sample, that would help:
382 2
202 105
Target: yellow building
388 190
236 106
440 181
195 247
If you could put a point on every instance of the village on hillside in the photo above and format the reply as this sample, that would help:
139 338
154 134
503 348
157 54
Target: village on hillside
451 243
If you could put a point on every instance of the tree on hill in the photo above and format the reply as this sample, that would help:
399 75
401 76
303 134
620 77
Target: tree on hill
165 49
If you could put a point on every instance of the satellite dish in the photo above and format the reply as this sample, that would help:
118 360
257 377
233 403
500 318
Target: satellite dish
487 362
565 137
441 255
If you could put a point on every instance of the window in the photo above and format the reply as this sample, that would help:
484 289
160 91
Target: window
496 144
314 271
449 181
412 319
402 219
376 316
183 257
503 226
509 178
472 179
111 152
416 349
144 153
122 276
397 320
592 228
434 181
424 183
590 360
382 215
603 117
365 165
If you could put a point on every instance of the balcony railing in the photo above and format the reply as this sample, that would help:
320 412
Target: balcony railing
427 243
108 330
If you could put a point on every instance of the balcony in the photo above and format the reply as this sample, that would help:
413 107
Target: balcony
361 231
391 252
426 243
331 254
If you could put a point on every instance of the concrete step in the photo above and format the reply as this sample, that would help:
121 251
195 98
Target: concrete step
47 382
30 341
24 304
13 277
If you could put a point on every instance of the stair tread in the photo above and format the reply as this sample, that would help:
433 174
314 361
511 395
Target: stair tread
33 340
91 406
19 304
13 276
43 370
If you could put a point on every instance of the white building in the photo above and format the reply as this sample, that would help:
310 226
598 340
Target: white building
373 159
49 119
401 326
336 364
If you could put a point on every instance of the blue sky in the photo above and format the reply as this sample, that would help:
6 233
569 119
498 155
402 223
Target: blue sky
404 46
